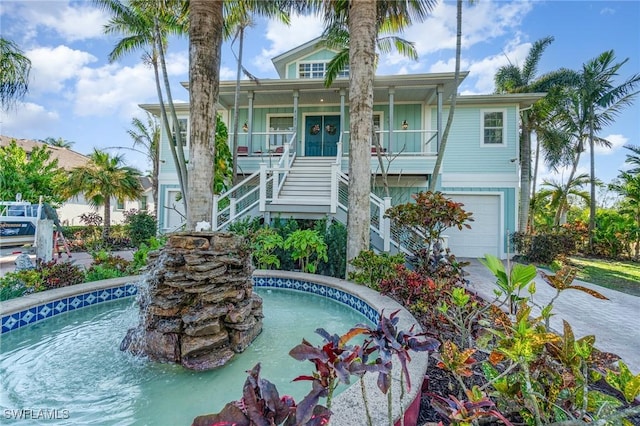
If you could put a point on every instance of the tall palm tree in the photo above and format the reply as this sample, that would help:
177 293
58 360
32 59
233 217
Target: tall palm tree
602 99
206 21
14 73
146 25
633 158
102 179
146 135
60 142
512 79
558 195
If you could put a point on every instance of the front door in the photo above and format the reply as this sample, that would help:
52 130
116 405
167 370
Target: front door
322 133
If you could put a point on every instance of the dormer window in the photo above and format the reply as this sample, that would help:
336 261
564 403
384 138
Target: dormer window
317 70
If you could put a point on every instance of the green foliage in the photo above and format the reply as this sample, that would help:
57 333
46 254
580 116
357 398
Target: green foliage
372 268
103 272
308 248
432 213
519 277
106 260
285 227
63 274
544 247
625 382
140 257
140 226
245 226
264 243
335 235
32 175
19 283
223 177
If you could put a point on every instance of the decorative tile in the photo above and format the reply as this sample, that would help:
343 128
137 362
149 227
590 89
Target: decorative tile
45 311
105 295
28 316
90 299
60 306
118 292
9 322
74 303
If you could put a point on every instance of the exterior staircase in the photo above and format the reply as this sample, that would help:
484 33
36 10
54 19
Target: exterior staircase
306 188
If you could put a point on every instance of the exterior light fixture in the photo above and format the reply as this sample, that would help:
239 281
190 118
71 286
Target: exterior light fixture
245 127
405 125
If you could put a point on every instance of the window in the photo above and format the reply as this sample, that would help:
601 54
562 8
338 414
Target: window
119 205
182 125
280 122
143 204
493 128
317 70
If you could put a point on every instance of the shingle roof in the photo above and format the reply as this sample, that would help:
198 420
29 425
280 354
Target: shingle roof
67 159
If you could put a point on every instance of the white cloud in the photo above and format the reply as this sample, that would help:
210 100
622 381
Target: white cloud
617 142
27 117
607 11
285 37
52 67
72 21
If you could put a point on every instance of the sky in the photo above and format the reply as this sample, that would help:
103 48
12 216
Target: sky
77 95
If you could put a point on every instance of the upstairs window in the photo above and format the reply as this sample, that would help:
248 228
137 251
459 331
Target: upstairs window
317 70
493 127
119 205
143 204
182 125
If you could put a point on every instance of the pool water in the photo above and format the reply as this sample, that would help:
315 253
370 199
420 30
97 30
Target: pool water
71 366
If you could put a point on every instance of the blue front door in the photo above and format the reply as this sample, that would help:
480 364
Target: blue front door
322 133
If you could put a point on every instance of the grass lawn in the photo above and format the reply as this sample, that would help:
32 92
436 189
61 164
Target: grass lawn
621 276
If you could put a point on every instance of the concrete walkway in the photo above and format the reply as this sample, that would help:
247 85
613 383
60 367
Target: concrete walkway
84 259
614 322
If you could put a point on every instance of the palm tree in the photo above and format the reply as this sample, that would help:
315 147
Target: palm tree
102 179
602 100
146 25
60 142
147 136
558 195
14 73
633 158
512 79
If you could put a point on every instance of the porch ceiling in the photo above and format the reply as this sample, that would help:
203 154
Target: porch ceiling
408 88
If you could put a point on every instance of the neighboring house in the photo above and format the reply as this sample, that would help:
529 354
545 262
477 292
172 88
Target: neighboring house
69 212
294 146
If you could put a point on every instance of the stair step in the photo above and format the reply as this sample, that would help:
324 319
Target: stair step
304 201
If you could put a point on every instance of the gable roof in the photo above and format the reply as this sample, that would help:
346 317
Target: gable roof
67 159
280 62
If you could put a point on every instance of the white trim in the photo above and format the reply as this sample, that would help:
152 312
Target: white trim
481 180
501 221
504 128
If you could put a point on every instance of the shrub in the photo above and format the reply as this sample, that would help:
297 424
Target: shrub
544 247
63 274
141 255
308 248
372 268
140 226
264 243
19 283
102 272
335 235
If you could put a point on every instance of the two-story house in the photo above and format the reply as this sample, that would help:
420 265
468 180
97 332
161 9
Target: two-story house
293 148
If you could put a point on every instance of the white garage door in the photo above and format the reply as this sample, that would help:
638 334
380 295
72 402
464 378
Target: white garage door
484 235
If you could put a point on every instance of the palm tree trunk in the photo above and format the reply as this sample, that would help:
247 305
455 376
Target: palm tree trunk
563 201
534 183
182 165
362 27
205 42
236 106
592 202
525 173
452 108
106 229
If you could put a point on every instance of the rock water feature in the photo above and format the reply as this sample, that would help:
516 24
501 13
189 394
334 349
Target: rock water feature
199 308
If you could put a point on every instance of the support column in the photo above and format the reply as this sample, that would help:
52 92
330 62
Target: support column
392 91
439 118
296 96
44 240
250 121
343 94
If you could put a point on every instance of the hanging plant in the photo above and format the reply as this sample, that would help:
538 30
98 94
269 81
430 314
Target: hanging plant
315 129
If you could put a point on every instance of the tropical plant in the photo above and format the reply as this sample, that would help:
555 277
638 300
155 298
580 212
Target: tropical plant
559 196
140 226
35 175
146 25
628 186
14 73
104 178
146 135
264 243
371 269
308 248
512 79
335 235
60 142
602 99
510 283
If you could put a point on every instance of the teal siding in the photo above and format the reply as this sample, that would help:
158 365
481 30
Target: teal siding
465 154
321 55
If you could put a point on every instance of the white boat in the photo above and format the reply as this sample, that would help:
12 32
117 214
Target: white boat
18 222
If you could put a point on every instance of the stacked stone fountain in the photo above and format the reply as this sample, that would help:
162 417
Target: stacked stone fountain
199 309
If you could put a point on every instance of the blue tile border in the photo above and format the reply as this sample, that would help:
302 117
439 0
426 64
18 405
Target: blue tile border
338 295
50 309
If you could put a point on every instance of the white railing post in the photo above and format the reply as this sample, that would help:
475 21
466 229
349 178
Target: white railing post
214 216
275 182
385 224
334 188
263 187
339 152
232 209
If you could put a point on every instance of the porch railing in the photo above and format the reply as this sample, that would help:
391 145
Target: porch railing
404 142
